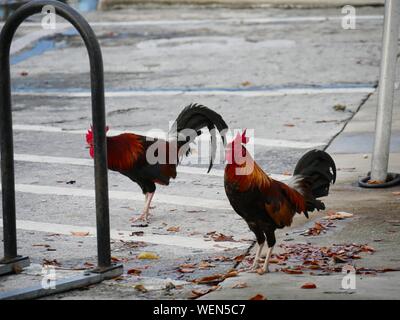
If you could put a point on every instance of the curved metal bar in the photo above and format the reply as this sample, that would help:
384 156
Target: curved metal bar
98 114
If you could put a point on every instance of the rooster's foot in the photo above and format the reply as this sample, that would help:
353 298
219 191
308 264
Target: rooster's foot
143 217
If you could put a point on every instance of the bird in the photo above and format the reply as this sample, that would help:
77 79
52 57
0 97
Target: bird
267 204
148 161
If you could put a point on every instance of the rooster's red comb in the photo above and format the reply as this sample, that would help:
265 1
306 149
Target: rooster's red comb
89 134
241 138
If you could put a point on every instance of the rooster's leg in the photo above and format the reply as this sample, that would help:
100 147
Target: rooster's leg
266 262
146 211
258 254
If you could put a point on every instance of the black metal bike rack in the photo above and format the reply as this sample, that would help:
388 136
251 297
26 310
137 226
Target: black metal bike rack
12 261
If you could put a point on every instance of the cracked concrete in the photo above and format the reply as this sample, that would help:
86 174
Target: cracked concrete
235 50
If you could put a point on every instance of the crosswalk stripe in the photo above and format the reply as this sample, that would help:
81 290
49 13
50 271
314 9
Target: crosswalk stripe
115 234
89 163
277 143
206 92
271 20
125 195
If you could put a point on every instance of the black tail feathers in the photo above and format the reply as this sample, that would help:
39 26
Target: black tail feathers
320 168
318 171
196 117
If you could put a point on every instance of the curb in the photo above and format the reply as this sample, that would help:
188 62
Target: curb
106 4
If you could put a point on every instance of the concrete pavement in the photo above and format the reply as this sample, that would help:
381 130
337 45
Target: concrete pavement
279 72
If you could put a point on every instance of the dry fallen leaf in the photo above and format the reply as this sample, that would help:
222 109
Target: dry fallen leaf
221 258
134 272
188 265
339 107
339 258
332 215
186 270
309 285
53 262
274 260
140 287
375 181
80 233
290 125
258 297
88 265
17 268
239 258
366 248
137 233
40 245
230 274
292 271
219 237
214 279
246 83
205 265
147 255
173 229
240 285
198 293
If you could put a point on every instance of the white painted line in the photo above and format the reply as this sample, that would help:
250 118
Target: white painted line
277 143
207 92
56 160
125 195
273 143
169 240
294 19
89 163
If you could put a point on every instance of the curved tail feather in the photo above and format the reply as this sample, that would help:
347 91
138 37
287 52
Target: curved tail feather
320 168
196 117
314 173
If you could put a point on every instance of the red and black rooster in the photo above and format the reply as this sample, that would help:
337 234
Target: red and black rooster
266 204
128 154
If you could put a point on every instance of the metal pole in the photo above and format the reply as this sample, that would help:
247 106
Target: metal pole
380 157
7 163
98 114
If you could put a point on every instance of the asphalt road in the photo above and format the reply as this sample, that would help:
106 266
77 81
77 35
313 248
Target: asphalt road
279 72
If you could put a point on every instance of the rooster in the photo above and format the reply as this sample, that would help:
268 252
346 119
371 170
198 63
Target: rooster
129 153
266 204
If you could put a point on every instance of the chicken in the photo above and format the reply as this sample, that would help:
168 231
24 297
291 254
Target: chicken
149 161
266 204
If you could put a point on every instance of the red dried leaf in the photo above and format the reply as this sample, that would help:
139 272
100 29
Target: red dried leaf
188 265
210 279
240 285
258 297
219 237
186 270
205 265
309 285
198 293
292 271
80 233
173 229
239 258
134 272
230 274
